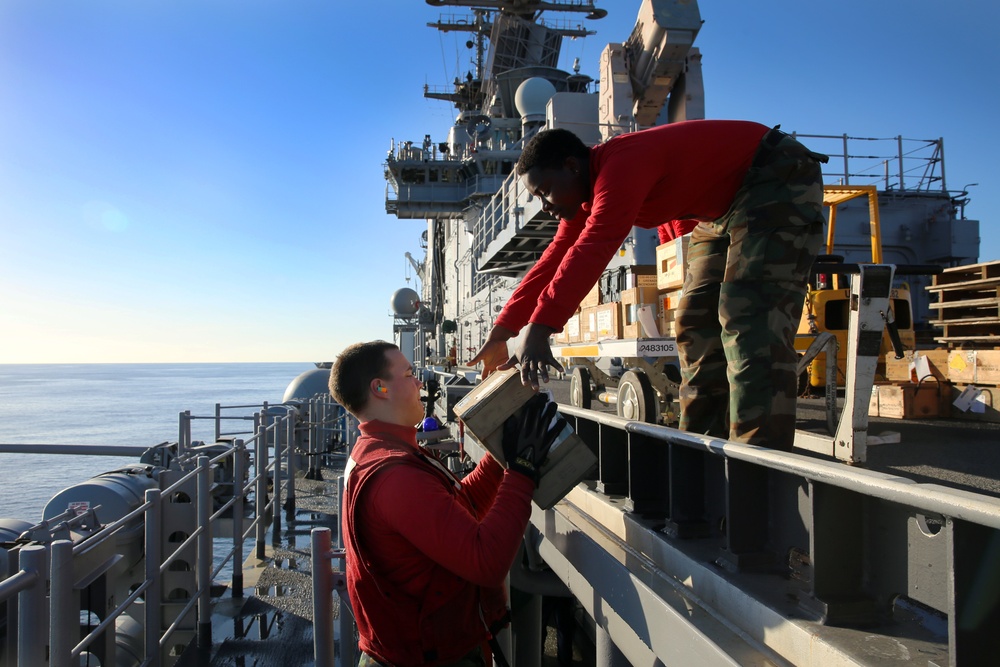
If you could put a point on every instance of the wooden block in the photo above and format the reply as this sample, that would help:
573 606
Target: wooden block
909 400
670 262
488 405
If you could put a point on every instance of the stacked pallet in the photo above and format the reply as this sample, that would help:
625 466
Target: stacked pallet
968 305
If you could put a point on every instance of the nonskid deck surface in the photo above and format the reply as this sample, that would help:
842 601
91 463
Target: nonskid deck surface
272 624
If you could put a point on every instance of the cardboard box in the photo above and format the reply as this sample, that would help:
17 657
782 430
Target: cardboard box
588 324
572 329
608 321
632 301
974 367
670 261
640 275
934 366
910 400
593 297
488 405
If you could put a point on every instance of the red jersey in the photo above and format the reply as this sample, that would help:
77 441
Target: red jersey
426 554
684 172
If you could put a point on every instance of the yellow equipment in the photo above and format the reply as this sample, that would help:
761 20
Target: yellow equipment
827 305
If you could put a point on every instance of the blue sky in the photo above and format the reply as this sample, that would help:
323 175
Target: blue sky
201 180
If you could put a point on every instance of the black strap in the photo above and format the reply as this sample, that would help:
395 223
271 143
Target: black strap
498 655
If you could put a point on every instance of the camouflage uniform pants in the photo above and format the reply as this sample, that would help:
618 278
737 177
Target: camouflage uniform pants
743 296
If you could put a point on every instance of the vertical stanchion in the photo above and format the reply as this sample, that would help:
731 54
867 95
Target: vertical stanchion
33 620
260 468
348 644
204 570
181 448
276 505
152 612
239 480
341 480
218 422
63 617
322 598
293 416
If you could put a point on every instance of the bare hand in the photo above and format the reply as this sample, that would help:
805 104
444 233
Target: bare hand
494 354
535 355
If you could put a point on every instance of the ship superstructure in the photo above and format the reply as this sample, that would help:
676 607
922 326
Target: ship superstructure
483 230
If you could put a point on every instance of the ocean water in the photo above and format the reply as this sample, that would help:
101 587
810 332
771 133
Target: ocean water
113 405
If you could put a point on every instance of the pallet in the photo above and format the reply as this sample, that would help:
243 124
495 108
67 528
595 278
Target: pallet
968 305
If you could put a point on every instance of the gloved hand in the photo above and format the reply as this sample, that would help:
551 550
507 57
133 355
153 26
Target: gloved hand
527 438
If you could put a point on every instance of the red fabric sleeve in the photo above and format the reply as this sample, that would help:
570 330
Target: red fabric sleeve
442 529
669 231
482 483
523 302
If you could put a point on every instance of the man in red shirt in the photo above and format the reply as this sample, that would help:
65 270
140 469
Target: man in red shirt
427 553
756 196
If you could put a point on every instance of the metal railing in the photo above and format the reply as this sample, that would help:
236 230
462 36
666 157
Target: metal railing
68 554
790 556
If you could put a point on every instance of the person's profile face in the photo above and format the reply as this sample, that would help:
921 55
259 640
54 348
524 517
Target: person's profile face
402 388
561 190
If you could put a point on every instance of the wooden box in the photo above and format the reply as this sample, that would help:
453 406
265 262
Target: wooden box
670 262
640 275
608 321
983 404
910 400
666 307
904 370
488 405
974 367
632 301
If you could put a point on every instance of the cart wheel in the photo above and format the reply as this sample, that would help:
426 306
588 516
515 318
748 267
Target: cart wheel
580 393
636 398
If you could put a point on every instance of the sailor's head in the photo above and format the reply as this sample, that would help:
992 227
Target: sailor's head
375 380
555 167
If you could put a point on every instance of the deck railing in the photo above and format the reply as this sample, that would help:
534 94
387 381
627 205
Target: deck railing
69 559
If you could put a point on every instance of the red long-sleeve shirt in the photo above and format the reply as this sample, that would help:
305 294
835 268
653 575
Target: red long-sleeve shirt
682 172
416 538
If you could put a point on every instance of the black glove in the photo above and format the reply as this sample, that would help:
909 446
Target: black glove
528 437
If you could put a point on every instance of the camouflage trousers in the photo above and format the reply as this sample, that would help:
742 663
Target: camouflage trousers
743 295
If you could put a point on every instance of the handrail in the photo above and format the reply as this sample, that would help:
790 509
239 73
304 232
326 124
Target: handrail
31 580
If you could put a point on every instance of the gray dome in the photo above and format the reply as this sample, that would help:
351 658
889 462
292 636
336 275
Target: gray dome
307 385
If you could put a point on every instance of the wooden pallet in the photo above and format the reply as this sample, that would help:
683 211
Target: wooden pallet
968 305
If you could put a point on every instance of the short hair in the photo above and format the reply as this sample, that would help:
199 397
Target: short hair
549 149
354 370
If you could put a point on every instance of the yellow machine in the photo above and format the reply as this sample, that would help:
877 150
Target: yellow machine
827 306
